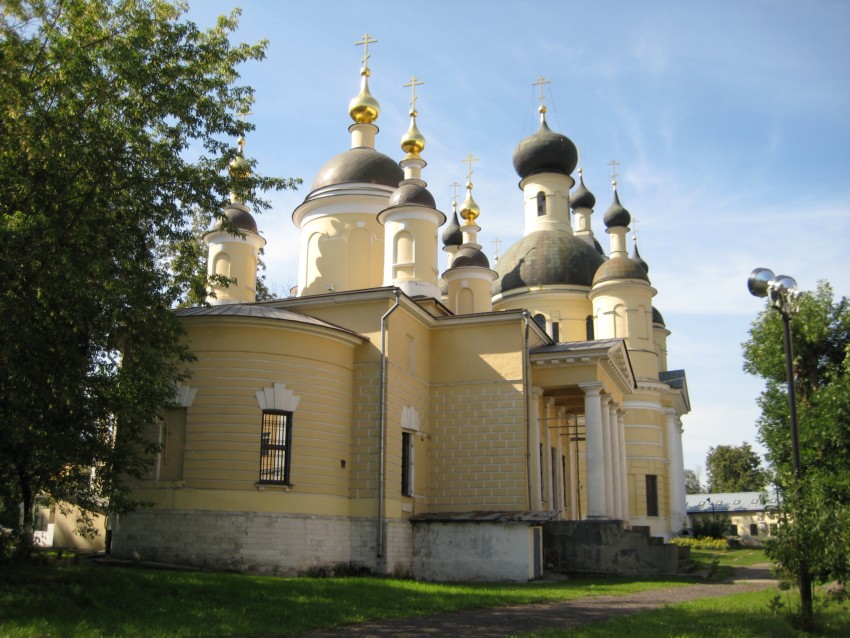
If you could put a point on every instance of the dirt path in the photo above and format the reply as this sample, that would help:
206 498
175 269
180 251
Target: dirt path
519 619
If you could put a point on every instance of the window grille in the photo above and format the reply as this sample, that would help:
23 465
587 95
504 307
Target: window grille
275 443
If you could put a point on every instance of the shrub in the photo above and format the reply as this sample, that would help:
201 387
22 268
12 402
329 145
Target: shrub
701 543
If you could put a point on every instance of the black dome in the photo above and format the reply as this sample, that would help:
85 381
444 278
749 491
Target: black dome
636 257
616 215
656 316
545 152
547 257
365 165
452 235
620 268
412 193
581 197
469 256
239 217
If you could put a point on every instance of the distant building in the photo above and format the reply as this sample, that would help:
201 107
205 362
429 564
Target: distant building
408 420
750 515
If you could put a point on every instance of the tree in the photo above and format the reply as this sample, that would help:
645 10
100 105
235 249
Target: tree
118 119
734 468
817 529
693 482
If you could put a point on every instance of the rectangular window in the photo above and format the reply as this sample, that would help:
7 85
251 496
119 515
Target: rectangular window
754 529
275 444
407 464
651 495
733 530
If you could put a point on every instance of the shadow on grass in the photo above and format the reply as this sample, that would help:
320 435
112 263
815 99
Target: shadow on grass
724 617
92 600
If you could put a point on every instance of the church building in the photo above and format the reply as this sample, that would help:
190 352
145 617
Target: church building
411 421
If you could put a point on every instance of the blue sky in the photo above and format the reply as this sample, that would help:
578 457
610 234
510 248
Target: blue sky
730 120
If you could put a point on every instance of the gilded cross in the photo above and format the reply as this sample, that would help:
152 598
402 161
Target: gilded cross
614 164
366 41
469 159
413 84
541 81
455 187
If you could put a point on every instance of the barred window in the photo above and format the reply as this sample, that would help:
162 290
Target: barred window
275 443
651 495
407 464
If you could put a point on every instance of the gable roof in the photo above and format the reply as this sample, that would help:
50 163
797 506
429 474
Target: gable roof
726 502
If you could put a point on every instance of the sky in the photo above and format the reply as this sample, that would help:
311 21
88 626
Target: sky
730 122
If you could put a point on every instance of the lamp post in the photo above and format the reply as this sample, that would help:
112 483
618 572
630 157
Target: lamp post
781 291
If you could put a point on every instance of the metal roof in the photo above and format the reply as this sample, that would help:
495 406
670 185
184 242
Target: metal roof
726 502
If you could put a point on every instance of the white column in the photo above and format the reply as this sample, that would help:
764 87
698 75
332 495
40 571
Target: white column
624 474
616 482
676 472
572 463
534 444
608 457
594 450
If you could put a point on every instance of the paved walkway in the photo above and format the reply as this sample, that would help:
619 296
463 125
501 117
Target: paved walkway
519 619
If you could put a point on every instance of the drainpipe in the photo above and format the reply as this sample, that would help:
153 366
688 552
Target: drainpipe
382 419
526 365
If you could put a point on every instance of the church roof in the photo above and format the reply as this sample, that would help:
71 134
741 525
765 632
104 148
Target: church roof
470 256
239 217
359 165
547 257
412 192
581 197
620 268
260 311
545 152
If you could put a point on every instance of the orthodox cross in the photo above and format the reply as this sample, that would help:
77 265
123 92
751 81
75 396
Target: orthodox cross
634 229
497 245
366 41
469 159
614 164
243 114
413 84
541 81
455 187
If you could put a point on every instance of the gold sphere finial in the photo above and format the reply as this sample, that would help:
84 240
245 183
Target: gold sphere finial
363 108
239 167
469 210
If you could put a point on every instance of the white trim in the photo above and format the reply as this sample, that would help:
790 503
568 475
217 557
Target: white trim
277 397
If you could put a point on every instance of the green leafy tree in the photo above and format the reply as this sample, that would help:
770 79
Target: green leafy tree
816 533
693 482
734 468
117 119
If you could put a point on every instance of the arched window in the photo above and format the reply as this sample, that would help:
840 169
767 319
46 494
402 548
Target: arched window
588 327
540 320
222 265
541 204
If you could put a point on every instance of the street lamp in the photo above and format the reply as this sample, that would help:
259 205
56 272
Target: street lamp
781 291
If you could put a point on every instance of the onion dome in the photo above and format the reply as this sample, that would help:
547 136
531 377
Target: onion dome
469 210
620 268
470 256
545 152
616 215
239 216
637 258
412 142
363 165
239 167
452 235
363 108
581 197
656 317
412 192
547 257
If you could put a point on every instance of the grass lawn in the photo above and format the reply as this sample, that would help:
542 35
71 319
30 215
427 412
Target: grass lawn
741 615
88 600
61 598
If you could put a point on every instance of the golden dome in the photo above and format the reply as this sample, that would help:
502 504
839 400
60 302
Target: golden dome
413 142
363 108
469 209
239 167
